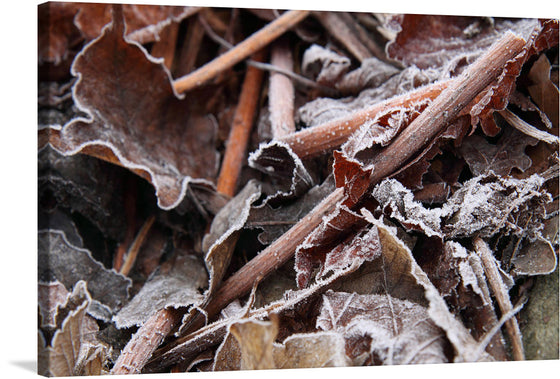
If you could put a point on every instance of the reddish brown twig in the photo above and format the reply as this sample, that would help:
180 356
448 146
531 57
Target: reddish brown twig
338 28
501 294
281 92
238 139
249 46
140 348
318 139
135 246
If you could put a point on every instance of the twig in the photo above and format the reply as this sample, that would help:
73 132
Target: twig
317 139
249 46
501 294
527 128
130 213
165 46
447 105
336 26
240 130
269 67
135 246
281 92
141 346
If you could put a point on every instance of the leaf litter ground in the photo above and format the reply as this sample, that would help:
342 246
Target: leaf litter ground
353 229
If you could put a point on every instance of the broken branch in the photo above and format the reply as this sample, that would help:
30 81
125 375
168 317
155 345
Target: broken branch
241 129
241 51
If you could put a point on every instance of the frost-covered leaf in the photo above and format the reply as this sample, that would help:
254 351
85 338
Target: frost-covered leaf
250 344
371 74
380 329
75 349
446 41
396 273
277 160
62 26
59 260
50 296
85 185
502 157
176 284
542 36
157 135
144 22
275 221
224 232
323 65
486 204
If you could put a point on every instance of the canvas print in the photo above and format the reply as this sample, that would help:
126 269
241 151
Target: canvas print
242 189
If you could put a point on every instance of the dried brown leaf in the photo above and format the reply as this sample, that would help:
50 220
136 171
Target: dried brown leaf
156 136
224 231
502 157
74 349
542 90
59 260
380 329
250 344
171 287
50 296
324 65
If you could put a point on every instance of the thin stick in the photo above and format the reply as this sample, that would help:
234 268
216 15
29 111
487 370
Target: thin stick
141 346
527 128
135 246
336 26
281 93
191 47
317 139
501 294
249 46
241 129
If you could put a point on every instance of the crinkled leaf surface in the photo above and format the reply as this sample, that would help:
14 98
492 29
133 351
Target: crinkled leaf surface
224 232
483 205
51 295
506 154
323 65
379 329
59 260
74 349
170 287
250 344
136 119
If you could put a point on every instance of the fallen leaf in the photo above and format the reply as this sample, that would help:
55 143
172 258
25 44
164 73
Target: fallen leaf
139 132
379 329
250 344
171 287
57 32
59 260
50 295
324 65
542 90
220 241
74 349
502 157
535 258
